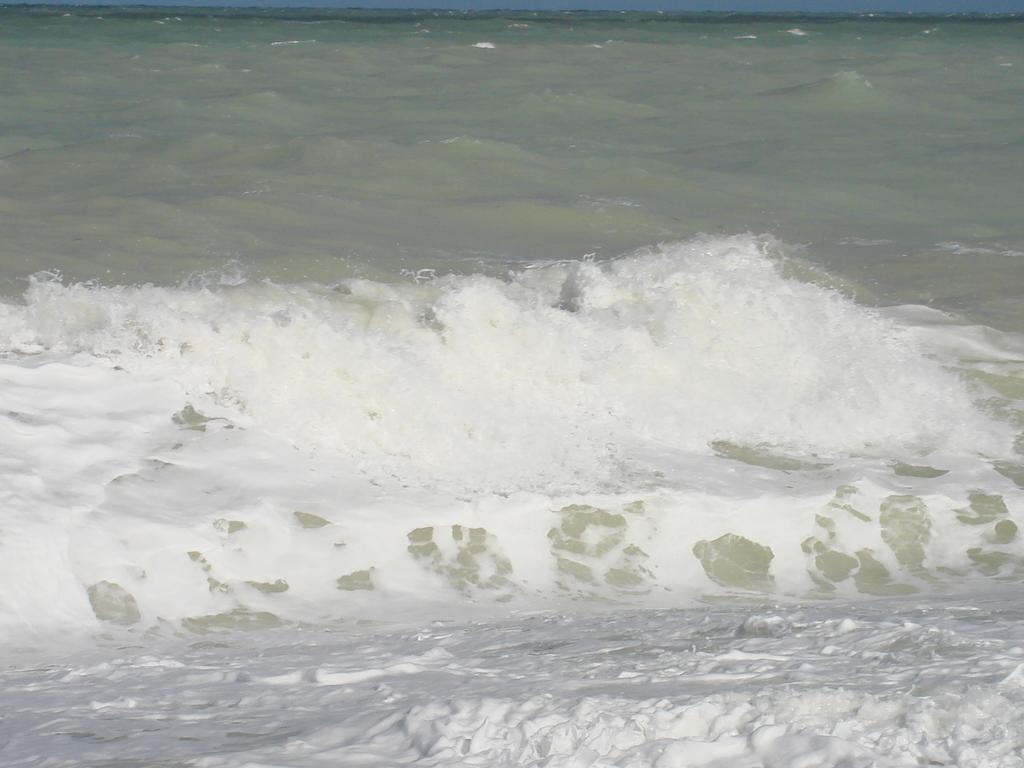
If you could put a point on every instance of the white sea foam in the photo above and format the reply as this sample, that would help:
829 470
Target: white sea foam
682 419
647 690
675 347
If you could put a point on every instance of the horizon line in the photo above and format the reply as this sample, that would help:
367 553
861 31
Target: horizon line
327 5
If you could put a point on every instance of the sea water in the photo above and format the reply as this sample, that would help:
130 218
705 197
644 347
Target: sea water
510 389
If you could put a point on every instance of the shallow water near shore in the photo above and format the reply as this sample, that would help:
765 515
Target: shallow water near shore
888 683
510 389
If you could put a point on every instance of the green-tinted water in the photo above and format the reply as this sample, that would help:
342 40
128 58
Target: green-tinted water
149 144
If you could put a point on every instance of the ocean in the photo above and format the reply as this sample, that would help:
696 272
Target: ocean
510 389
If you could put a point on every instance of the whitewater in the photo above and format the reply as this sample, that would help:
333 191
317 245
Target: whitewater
510 390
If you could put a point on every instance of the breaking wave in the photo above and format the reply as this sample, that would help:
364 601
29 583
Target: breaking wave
686 419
